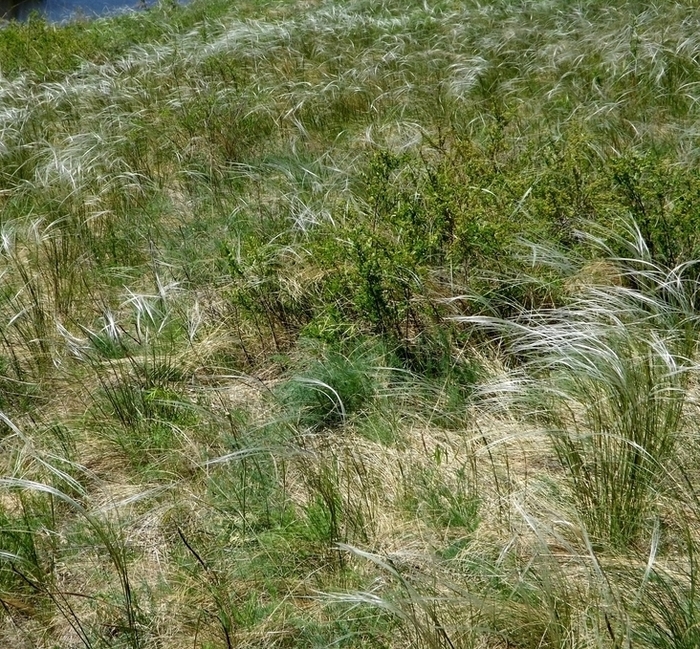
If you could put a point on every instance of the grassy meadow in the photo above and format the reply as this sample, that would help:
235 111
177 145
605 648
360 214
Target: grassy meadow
364 323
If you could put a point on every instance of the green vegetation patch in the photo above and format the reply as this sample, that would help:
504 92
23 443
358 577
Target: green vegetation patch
354 324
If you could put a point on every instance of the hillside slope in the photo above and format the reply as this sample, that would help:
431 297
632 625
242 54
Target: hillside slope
354 324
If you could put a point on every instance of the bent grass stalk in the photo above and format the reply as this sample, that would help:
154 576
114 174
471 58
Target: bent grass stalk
115 549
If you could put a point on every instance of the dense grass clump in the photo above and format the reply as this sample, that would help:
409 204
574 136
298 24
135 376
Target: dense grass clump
608 375
350 324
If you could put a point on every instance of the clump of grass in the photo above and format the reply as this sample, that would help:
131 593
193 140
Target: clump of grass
607 376
331 386
448 503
